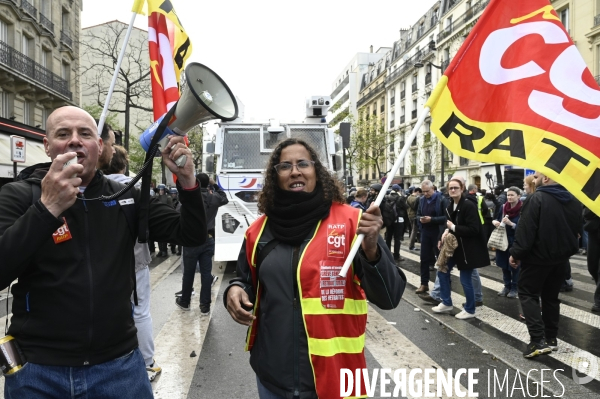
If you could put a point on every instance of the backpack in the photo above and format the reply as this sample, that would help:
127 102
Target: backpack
388 211
414 205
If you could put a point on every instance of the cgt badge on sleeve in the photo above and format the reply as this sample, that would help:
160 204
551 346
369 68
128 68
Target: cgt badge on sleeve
62 234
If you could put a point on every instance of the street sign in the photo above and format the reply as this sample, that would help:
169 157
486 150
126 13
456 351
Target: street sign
17 148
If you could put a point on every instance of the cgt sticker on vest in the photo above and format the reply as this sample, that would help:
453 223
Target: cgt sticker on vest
62 234
332 285
336 240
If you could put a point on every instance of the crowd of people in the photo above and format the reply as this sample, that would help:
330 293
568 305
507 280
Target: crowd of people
544 226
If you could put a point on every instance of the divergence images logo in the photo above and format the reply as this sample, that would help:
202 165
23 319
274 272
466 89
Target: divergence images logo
336 240
585 363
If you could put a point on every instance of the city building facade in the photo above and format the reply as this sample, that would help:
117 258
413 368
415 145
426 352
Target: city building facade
371 122
39 69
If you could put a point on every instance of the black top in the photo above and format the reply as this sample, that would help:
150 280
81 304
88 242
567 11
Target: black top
71 306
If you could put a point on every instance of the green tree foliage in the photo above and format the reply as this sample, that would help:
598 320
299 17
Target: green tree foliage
370 142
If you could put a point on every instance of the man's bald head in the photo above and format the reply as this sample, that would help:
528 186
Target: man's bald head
56 115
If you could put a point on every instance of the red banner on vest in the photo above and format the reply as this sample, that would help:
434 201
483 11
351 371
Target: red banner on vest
519 93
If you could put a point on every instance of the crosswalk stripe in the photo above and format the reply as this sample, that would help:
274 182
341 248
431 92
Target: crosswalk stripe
582 316
183 333
381 337
567 353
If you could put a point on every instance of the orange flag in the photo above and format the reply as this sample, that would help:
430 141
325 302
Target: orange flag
518 92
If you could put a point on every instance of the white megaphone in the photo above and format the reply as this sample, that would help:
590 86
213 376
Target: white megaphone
205 96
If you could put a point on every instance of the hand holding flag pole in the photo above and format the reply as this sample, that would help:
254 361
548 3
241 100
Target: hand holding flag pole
388 181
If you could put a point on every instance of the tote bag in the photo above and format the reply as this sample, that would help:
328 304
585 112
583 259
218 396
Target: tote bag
498 239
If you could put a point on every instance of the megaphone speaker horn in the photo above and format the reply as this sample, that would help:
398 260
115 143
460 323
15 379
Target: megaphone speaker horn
205 97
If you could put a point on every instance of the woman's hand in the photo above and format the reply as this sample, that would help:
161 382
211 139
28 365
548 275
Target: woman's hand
450 225
495 223
370 224
236 297
507 221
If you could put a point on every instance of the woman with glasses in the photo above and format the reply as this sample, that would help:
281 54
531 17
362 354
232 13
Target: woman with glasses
471 252
288 289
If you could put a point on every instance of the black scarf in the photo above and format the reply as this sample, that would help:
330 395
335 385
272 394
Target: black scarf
295 214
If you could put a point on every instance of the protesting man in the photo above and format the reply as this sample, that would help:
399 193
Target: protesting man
545 240
73 257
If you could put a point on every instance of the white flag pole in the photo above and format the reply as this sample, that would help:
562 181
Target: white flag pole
387 183
116 74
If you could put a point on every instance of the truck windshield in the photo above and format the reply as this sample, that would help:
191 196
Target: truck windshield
242 148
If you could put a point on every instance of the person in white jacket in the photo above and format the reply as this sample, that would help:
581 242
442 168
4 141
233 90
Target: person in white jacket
141 313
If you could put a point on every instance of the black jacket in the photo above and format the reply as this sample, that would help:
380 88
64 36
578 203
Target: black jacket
71 305
471 252
548 227
439 217
213 199
275 348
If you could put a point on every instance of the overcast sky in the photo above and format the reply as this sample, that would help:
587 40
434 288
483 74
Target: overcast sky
275 54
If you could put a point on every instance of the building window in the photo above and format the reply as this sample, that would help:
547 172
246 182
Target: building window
64 71
27 112
46 60
45 114
564 17
3 31
5 106
26 42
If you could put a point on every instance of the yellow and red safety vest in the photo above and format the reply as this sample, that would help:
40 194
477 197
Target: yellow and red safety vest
334 308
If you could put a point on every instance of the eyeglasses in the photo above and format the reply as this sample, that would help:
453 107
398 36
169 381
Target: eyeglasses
285 168
453 188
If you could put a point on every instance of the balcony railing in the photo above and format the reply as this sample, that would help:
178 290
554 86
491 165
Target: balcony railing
65 38
401 118
463 19
414 87
391 124
392 100
25 65
413 114
46 23
427 78
340 87
29 8
408 64
597 20
402 94
377 90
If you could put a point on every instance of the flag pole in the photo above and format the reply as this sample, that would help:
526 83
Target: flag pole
386 184
116 74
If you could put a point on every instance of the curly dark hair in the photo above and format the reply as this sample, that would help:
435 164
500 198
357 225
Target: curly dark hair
332 188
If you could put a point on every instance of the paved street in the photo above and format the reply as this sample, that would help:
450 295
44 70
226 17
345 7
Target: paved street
203 357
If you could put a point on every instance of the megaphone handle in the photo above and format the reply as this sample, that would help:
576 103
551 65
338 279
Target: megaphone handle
180 162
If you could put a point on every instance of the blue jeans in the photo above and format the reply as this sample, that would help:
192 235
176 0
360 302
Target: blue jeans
264 393
466 277
475 279
123 377
203 256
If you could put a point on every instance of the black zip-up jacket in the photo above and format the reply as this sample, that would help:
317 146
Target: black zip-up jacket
71 306
548 227
212 202
279 356
471 252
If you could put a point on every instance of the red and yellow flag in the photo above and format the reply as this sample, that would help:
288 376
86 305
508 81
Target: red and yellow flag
169 47
518 92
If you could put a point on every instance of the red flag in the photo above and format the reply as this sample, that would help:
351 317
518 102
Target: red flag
518 92
169 48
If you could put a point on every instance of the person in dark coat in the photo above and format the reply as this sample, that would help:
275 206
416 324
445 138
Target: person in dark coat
511 212
545 240
464 223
